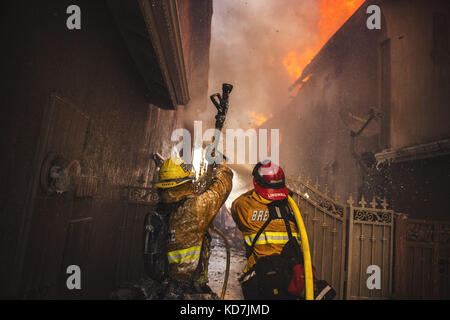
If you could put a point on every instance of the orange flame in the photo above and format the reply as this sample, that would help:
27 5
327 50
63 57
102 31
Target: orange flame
258 119
305 79
333 14
294 62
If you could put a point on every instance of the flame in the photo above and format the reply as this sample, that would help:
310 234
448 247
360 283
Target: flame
258 119
197 161
333 14
305 79
294 62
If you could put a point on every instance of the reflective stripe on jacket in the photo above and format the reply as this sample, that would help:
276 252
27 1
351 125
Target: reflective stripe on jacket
270 237
250 211
189 222
178 256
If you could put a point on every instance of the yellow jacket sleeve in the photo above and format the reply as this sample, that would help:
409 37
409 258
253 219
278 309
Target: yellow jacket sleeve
210 201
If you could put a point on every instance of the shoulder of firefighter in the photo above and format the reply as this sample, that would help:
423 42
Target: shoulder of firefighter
250 212
189 222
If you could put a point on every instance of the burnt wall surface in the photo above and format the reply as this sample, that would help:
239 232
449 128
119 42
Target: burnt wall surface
76 93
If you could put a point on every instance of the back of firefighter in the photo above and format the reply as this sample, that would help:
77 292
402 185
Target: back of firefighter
190 216
251 212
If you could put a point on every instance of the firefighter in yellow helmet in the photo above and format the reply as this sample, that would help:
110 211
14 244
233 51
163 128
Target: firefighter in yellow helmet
190 216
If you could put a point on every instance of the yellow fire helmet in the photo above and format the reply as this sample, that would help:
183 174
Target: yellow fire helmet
174 172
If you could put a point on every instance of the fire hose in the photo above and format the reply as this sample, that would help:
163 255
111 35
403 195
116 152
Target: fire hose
309 283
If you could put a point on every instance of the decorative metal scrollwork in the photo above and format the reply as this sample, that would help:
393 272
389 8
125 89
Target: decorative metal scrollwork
330 206
372 216
420 232
312 194
142 195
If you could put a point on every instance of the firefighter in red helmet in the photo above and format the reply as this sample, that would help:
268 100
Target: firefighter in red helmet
274 267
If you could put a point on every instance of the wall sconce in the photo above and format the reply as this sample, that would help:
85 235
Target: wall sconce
59 175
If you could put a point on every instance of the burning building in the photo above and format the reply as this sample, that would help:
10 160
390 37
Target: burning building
370 115
370 118
83 109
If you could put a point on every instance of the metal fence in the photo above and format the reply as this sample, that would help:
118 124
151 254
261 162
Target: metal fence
346 240
325 220
370 243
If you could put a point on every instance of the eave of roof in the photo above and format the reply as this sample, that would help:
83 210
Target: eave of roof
416 152
151 31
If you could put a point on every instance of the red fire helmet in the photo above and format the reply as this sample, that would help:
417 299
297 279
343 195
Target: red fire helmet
269 181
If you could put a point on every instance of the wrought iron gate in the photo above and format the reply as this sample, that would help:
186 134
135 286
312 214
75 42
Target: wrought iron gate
346 239
325 225
370 243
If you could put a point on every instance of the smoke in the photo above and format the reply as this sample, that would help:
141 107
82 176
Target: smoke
241 184
250 41
262 47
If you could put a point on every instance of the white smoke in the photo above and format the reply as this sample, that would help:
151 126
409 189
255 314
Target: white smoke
240 186
250 39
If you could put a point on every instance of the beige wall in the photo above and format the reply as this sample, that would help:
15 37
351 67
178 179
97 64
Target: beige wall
420 92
